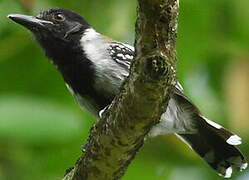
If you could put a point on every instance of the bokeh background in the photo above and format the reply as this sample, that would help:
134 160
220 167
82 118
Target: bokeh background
42 128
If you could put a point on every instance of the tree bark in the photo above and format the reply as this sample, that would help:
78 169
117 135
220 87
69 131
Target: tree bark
117 137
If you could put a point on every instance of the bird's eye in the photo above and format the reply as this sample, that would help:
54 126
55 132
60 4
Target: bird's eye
59 17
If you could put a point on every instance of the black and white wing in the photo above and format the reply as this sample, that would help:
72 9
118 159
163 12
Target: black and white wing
121 54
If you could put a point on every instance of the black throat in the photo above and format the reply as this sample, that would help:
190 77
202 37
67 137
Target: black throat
77 71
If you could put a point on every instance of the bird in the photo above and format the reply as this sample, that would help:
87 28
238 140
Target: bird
94 67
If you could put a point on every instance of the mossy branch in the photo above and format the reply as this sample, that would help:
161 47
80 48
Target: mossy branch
117 137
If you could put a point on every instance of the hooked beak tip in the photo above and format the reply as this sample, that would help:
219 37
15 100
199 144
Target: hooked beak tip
11 16
28 21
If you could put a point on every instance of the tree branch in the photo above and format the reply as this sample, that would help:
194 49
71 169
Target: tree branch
120 133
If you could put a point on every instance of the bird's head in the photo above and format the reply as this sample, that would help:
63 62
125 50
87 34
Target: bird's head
55 24
57 30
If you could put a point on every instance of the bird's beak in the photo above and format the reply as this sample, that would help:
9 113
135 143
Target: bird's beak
29 22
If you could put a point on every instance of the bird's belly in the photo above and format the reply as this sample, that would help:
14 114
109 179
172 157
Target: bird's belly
87 103
174 120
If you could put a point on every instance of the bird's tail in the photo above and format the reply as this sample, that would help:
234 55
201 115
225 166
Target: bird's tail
217 146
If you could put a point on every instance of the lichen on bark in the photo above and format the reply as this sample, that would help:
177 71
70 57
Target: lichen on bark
117 137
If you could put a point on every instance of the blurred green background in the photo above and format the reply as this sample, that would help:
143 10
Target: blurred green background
42 128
